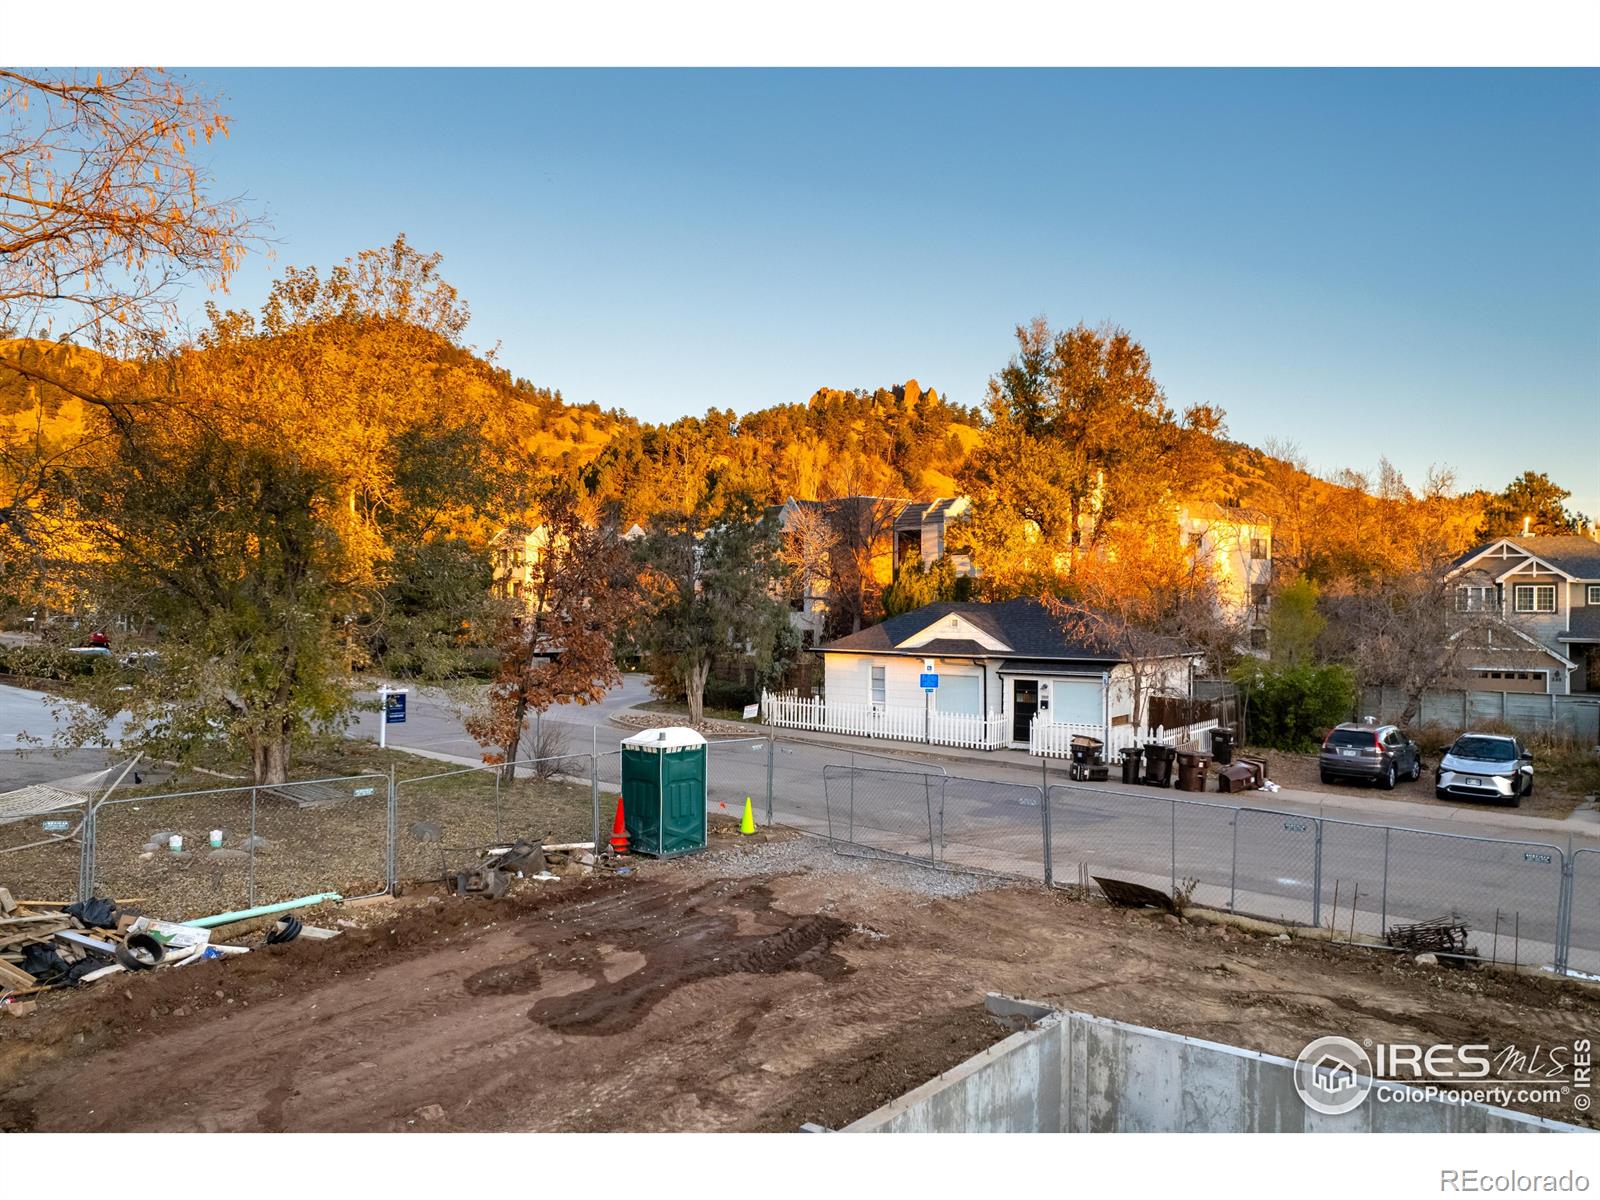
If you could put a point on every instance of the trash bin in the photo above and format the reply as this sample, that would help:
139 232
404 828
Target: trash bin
1158 764
1222 746
1191 771
664 791
1132 760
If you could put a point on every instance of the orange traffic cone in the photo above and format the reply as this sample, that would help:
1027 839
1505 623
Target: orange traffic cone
619 831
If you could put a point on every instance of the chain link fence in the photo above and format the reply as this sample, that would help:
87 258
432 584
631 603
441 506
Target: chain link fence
1521 902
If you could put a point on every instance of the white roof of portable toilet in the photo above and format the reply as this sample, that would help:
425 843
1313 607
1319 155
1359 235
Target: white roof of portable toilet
670 737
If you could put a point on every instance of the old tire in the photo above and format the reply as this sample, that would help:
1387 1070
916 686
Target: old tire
140 952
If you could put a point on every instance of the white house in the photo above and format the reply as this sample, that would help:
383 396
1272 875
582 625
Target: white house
1005 674
1234 547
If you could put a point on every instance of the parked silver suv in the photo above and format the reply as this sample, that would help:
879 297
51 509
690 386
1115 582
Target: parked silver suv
1485 766
1381 754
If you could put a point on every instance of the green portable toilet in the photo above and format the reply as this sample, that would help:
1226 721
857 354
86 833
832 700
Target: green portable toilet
664 791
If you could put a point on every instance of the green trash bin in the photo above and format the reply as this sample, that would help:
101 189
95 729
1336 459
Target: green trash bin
664 791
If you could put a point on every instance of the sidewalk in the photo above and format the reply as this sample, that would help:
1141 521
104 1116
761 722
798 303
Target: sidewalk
1374 807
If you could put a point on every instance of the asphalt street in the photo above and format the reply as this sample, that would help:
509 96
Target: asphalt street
983 811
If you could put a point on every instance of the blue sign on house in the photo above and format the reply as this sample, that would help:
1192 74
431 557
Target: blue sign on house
929 682
394 708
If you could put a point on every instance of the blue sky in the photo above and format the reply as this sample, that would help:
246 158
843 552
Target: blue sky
1360 262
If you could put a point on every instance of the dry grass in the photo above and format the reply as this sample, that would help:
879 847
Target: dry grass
339 846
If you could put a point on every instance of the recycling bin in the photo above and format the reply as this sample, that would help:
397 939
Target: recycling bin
1158 764
664 791
1222 746
1132 760
1191 771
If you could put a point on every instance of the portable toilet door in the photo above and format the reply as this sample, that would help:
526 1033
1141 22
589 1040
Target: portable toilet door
664 791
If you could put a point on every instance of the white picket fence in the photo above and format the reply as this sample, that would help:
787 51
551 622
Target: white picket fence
1046 739
896 724
1050 740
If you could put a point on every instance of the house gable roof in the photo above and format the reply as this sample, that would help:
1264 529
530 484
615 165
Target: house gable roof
1568 554
1026 627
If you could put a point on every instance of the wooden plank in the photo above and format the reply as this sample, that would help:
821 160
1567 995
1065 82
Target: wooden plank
7 904
15 977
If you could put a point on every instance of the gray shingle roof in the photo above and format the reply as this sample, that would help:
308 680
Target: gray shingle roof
1573 553
1026 626
1585 625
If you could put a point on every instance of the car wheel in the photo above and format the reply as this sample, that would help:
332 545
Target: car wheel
1528 791
1387 780
1416 769
1327 777
1440 794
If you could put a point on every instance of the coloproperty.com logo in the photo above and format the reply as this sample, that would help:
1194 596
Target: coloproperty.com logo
1336 1075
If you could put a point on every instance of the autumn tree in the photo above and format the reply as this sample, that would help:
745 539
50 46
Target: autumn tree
556 639
1531 500
258 493
709 593
105 212
1080 446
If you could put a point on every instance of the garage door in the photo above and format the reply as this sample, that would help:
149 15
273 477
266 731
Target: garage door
959 694
1076 702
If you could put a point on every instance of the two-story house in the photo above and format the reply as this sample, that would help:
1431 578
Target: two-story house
1541 595
1233 546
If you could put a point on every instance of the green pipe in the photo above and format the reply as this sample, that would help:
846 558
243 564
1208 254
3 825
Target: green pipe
262 910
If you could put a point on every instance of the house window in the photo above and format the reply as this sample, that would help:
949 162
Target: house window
880 688
1594 593
1474 599
1258 548
1534 598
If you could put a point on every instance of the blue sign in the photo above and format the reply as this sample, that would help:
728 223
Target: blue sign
929 682
394 708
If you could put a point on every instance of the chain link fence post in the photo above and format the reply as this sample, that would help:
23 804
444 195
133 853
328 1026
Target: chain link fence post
1316 879
1383 903
1174 849
250 887
392 839
771 752
1233 869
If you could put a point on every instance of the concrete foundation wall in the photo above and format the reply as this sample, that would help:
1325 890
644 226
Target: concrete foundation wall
1074 1073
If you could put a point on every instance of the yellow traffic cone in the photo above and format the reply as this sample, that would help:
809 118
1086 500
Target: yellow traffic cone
748 823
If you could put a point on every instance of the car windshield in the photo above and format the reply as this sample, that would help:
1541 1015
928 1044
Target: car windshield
1352 737
1485 749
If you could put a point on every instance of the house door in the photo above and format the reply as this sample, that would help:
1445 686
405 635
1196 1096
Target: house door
1024 704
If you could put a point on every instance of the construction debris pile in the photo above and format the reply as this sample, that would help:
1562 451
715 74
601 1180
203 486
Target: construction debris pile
47 944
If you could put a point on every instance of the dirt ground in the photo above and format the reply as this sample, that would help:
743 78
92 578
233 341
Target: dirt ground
754 987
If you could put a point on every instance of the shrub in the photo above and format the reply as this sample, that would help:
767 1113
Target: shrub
1289 708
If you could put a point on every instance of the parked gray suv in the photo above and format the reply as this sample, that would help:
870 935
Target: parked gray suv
1485 766
1380 754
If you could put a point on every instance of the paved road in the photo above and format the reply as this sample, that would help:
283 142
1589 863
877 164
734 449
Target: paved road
30 742
1261 858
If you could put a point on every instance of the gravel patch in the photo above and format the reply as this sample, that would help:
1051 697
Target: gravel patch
816 856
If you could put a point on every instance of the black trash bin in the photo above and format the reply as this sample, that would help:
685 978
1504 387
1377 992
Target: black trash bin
1222 746
1158 764
1132 760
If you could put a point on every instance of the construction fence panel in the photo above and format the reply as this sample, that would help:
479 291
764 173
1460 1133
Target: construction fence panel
1356 868
443 819
1123 835
43 855
1202 839
986 826
1509 894
737 769
1582 940
893 812
1276 866
800 798
242 845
